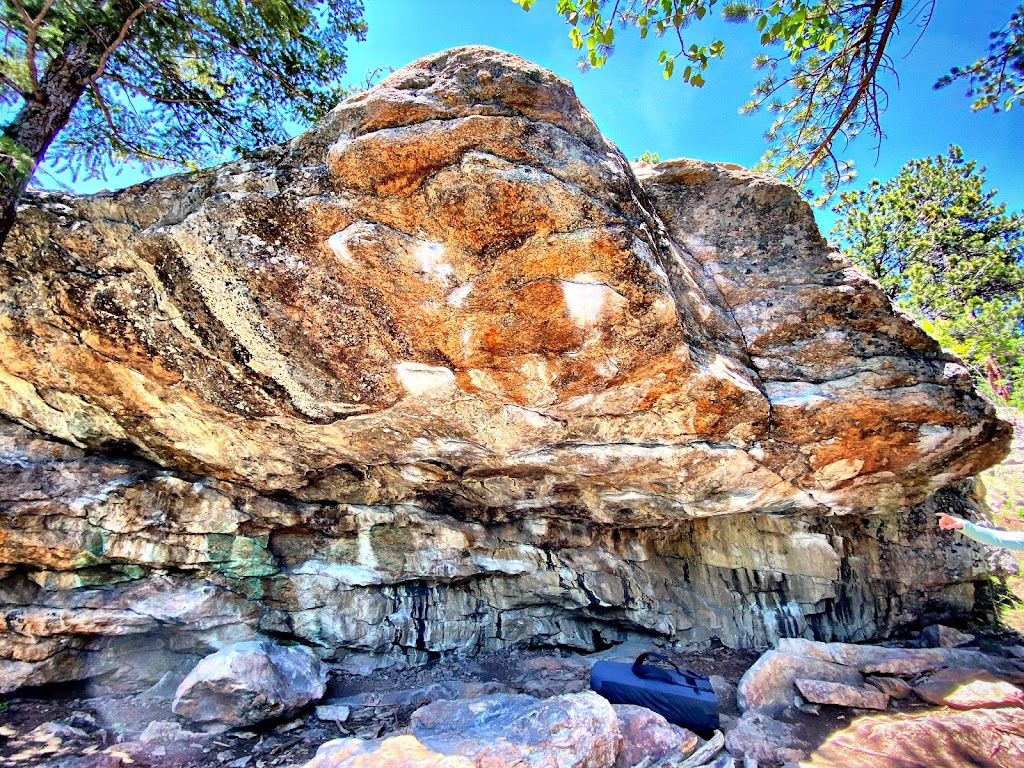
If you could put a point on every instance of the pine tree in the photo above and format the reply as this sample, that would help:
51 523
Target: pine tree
946 252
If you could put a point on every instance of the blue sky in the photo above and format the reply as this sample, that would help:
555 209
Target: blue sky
639 110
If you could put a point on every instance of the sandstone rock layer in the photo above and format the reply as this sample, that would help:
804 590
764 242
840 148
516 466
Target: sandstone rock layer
443 373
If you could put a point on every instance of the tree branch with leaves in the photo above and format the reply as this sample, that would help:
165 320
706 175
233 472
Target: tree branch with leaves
823 66
996 80
91 84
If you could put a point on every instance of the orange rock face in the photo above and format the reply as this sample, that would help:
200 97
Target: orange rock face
455 268
444 373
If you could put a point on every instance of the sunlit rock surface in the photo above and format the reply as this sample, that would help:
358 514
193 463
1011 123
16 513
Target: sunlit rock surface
444 374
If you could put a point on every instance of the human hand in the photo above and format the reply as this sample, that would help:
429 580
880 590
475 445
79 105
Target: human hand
948 522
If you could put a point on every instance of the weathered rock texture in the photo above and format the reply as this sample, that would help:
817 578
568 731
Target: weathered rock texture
645 733
771 684
247 683
574 731
579 730
941 738
443 374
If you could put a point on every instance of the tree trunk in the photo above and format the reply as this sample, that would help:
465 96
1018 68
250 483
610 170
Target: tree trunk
49 109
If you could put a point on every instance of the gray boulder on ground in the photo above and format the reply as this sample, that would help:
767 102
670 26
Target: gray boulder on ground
768 685
893 687
758 737
164 731
247 683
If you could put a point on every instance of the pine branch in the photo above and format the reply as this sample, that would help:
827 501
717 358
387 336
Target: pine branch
862 86
101 65
31 35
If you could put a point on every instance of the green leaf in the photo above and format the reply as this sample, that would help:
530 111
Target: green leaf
946 252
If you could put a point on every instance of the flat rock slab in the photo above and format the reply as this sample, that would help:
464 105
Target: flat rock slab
893 687
969 689
768 685
992 738
901 662
406 701
839 695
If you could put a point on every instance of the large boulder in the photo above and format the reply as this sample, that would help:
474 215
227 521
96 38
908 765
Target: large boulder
935 739
455 269
573 731
769 685
247 683
578 730
444 374
758 738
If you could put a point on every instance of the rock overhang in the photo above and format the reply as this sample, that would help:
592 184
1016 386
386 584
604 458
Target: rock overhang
474 279
447 373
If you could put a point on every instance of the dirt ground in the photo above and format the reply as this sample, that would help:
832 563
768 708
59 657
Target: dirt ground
68 728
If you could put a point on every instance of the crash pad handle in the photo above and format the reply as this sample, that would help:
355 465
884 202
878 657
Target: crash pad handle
651 672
